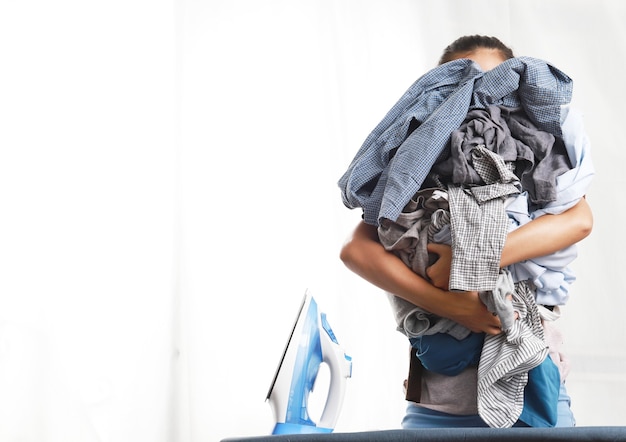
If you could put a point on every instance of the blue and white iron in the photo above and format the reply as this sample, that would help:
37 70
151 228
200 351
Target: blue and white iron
311 343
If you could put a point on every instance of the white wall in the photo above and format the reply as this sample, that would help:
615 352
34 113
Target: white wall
167 176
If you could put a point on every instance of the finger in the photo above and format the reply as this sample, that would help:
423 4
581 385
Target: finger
431 271
435 247
493 331
495 321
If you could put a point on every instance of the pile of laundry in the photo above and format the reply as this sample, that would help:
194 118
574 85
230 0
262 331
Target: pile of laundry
463 158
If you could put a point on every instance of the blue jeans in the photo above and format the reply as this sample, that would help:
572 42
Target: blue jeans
420 417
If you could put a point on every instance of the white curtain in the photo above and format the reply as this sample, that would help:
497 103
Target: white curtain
168 192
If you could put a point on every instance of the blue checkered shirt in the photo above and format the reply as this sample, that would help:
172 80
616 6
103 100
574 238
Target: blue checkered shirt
382 183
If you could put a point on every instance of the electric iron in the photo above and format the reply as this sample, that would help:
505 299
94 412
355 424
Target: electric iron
311 343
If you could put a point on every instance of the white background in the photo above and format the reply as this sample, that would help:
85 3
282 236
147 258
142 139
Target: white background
168 192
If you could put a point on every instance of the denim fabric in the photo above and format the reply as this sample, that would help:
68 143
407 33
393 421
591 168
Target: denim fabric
541 395
446 355
564 415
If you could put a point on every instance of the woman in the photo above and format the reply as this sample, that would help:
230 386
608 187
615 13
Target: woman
450 401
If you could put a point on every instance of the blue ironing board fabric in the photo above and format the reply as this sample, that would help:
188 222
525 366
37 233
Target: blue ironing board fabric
596 434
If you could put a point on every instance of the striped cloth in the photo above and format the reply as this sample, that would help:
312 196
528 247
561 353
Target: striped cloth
507 358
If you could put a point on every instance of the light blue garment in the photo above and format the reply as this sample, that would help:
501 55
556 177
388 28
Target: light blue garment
550 274
565 417
420 417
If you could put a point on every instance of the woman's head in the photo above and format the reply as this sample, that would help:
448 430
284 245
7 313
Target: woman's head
488 52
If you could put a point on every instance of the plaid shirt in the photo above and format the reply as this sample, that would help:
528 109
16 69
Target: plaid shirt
382 183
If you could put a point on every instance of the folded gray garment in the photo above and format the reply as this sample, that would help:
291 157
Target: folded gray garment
424 218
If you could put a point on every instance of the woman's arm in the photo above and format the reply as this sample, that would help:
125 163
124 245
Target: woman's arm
365 256
548 234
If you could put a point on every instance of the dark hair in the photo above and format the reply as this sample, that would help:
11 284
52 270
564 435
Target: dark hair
470 43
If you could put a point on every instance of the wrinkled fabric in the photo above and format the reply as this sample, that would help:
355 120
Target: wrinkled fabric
422 219
536 157
506 360
478 234
478 222
478 226
395 160
392 165
550 274
573 184
497 301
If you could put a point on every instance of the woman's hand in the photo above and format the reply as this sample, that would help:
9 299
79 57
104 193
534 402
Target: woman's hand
470 312
439 272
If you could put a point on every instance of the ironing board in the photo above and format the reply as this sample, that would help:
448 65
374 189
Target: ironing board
599 433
